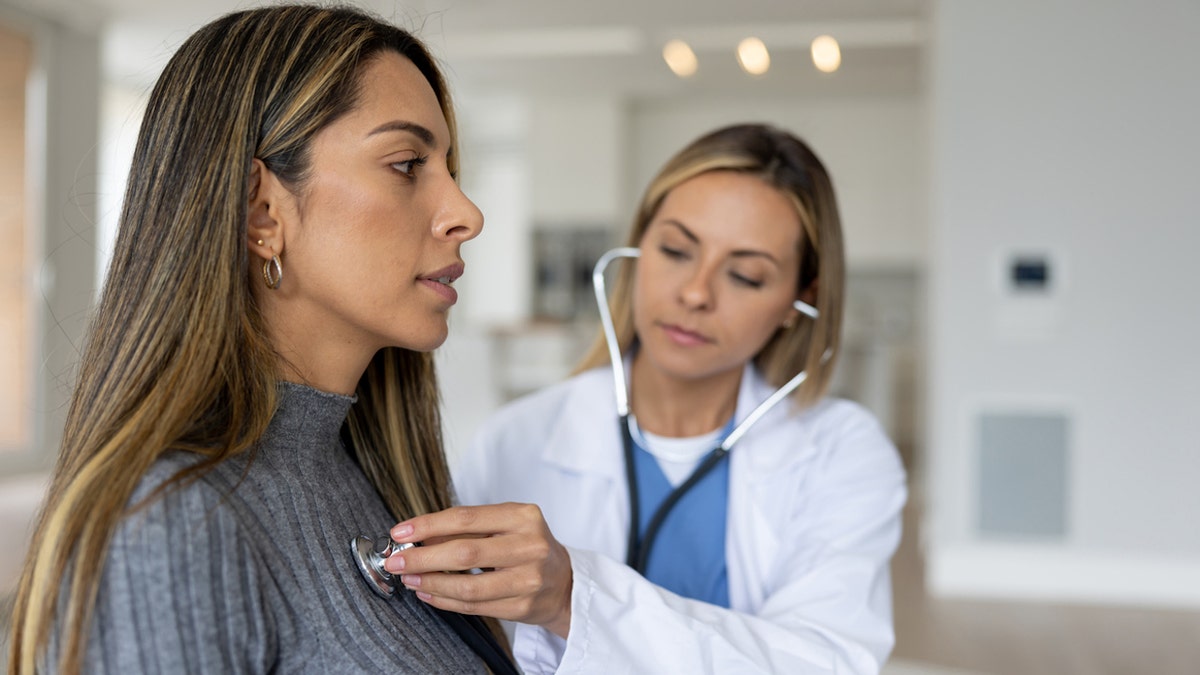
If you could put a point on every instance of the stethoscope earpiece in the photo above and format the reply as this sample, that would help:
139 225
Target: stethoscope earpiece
806 309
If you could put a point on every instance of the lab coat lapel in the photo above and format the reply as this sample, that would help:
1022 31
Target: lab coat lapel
585 438
584 443
765 466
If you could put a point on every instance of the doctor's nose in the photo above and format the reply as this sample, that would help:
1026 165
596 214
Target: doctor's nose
697 291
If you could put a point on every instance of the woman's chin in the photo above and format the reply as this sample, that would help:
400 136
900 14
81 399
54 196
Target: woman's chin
427 341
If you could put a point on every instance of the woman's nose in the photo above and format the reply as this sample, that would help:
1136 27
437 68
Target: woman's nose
458 218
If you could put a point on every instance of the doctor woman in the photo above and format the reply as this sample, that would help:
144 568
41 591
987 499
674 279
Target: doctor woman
777 560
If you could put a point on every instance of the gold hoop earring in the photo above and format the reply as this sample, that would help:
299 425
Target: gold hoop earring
273 277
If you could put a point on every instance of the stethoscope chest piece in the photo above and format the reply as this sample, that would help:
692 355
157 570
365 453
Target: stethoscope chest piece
370 555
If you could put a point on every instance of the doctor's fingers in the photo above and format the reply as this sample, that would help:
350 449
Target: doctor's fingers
453 555
467 520
513 594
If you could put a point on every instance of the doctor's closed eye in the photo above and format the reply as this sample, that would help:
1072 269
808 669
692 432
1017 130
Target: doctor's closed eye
746 280
671 252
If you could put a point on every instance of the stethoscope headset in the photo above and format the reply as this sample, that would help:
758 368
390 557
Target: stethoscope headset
639 546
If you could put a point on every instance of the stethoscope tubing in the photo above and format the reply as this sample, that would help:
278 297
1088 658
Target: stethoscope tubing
610 332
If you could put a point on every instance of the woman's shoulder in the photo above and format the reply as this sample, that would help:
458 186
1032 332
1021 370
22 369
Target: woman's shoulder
832 413
165 469
845 434
168 501
832 428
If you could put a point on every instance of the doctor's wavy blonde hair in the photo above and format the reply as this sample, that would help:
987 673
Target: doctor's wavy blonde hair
177 356
786 163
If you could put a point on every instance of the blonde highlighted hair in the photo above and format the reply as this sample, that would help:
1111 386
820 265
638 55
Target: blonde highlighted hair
789 165
177 356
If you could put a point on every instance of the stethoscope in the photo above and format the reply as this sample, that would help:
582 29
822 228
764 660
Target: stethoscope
369 556
639 546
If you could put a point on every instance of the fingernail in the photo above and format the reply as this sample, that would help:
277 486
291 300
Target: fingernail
425 597
411 580
401 531
394 564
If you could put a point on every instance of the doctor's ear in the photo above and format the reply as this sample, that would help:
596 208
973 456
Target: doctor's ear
264 226
809 295
805 303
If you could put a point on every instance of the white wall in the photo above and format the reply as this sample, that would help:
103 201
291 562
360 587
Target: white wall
1069 128
577 158
495 175
590 158
872 146
532 161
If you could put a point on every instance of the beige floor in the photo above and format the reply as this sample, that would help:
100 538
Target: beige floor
1003 638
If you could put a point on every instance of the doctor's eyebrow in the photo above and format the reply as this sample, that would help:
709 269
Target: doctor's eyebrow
739 253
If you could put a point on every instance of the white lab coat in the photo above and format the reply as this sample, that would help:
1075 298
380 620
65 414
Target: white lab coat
814 517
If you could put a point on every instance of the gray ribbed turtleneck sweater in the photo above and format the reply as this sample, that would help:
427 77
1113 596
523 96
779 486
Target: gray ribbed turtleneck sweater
254 574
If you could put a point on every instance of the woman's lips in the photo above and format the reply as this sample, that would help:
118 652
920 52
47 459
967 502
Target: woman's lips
445 290
684 337
439 281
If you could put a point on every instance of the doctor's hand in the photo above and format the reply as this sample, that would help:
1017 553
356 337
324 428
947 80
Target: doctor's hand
527 575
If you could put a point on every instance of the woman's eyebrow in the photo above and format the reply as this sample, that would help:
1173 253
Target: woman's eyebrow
739 253
422 133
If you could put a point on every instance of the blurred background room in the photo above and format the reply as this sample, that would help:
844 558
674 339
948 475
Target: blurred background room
1018 184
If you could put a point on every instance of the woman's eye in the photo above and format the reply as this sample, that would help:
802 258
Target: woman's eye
409 167
672 253
746 281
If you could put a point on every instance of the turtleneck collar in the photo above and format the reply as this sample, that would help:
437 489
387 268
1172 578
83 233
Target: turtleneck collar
306 418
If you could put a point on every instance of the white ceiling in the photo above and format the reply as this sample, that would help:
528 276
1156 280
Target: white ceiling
605 47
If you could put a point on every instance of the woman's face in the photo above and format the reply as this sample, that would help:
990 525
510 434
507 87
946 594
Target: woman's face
717 274
372 240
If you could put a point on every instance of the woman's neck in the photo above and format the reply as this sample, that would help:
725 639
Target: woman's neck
679 408
321 359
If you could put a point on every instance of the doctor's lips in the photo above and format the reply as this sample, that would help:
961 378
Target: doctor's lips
685 337
441 280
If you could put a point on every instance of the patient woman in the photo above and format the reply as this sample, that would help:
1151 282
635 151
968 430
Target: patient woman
256 389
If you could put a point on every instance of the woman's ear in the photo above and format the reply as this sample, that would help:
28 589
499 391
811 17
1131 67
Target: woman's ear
264 231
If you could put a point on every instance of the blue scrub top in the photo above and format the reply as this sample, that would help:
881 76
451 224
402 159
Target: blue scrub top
688 557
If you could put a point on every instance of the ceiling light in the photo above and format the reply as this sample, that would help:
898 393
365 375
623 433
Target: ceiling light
680 58
826 54
753 57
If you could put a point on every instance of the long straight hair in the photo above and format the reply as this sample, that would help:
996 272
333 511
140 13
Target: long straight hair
786 163
178 356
